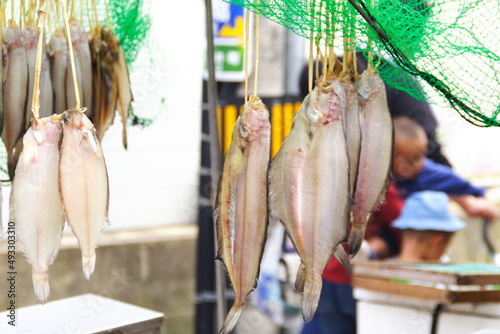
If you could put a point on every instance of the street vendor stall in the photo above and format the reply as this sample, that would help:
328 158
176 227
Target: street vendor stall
427 297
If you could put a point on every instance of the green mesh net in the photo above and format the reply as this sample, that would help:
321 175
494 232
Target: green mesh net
439 51
131 25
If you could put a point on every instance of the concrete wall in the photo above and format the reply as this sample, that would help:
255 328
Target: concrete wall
151 268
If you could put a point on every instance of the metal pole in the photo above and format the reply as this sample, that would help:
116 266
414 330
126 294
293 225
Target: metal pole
215 158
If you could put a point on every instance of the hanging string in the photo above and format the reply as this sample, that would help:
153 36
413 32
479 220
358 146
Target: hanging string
96 19
21 15
12 13
71 55
108 20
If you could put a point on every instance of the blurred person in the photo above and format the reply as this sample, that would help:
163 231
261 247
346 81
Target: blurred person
414 172
427 226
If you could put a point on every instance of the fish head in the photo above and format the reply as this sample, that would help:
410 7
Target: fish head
13 36
254 122
78 34
324 105
77 120
57 43
47 130
30 35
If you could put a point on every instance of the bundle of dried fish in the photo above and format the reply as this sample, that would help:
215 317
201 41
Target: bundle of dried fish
309 187
83 182
36 205
111 81
241 208
375 156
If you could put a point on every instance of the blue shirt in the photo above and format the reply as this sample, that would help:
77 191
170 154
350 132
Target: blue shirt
438 177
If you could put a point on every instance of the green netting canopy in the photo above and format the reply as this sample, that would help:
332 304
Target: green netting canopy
438 50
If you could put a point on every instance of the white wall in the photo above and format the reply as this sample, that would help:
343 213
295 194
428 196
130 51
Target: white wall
473 150
155 182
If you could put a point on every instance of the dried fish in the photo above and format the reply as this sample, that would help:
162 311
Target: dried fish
375 156
241 209
58 52
15 94
46 90
309 187
82 50
83 183
124 93
36 205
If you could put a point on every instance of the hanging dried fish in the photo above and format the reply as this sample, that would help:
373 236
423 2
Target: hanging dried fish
110 80
241 210
15 95
36 205
83 182
46 89
375 156
309 187
58 52
82 51
124 93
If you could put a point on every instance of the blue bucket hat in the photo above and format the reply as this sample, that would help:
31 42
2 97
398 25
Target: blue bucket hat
428 210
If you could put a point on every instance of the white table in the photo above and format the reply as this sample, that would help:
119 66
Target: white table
83 314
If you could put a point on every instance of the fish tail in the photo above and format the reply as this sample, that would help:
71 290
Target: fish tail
341 255
232 317
301 278
124 135
88 264
312 292
356 237
41 285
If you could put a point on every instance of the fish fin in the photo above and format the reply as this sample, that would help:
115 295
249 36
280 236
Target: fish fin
341 255
279 196
88 264
301 278
41 285
231 318
220 205
312 292
356 237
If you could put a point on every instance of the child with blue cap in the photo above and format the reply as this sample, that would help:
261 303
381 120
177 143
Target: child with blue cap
427 226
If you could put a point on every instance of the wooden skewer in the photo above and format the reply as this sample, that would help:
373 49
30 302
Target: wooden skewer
256 54
35 106
71 55
247 45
